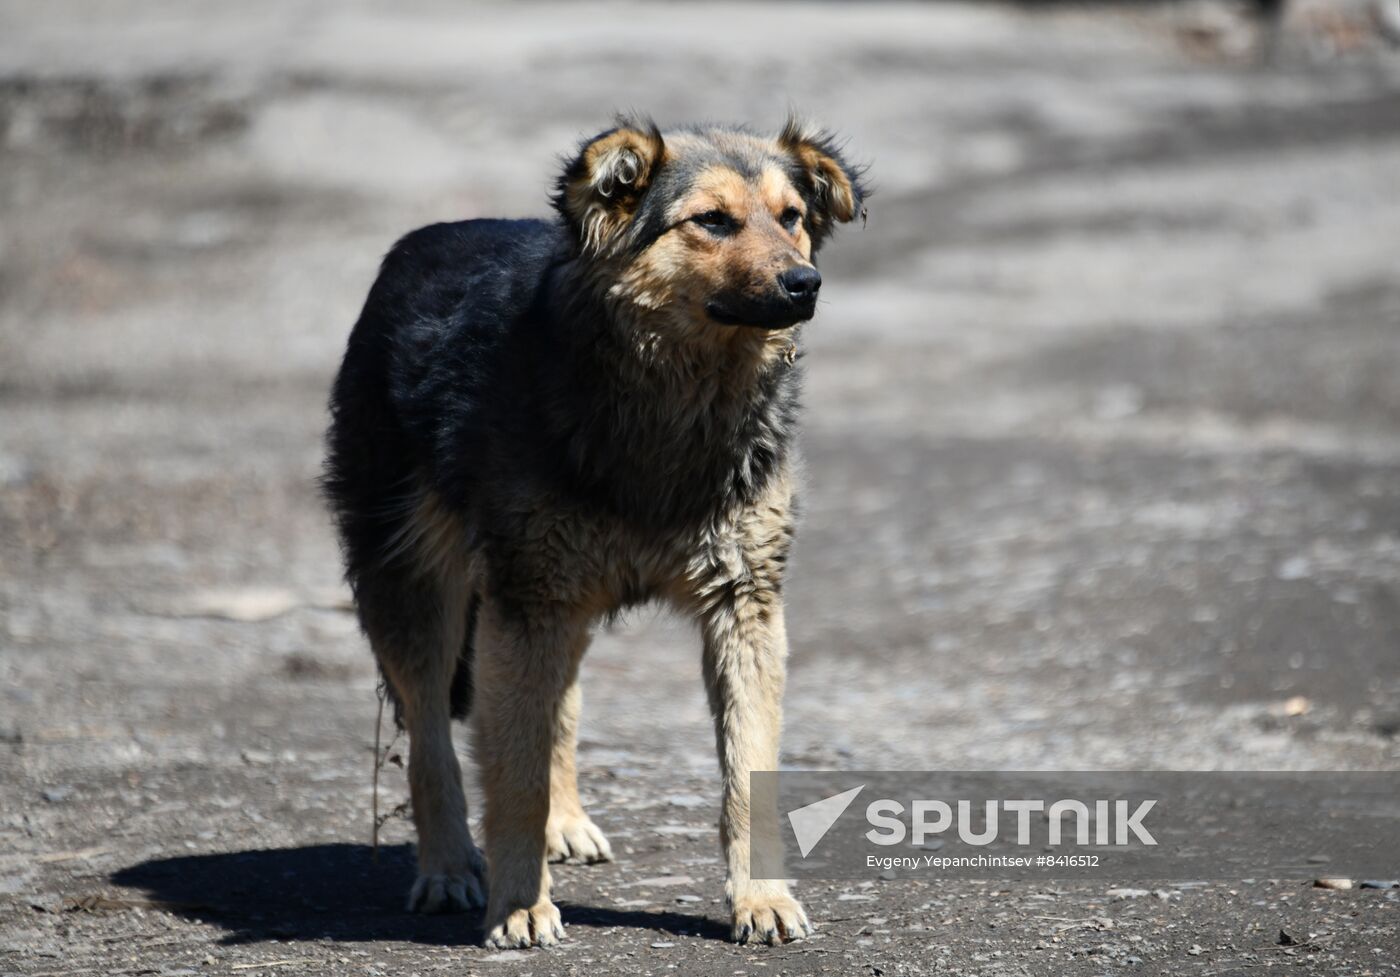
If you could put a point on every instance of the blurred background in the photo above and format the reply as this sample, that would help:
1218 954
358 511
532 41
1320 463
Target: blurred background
1103 442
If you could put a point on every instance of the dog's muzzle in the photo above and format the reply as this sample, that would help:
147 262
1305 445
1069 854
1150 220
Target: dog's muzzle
793 300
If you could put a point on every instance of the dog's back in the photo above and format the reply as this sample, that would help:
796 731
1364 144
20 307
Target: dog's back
420 384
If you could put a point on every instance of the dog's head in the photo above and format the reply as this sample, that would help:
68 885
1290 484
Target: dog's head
713 227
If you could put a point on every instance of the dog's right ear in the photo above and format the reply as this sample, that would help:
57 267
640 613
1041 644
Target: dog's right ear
600 188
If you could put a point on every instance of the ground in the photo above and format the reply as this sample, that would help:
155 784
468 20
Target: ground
1103 444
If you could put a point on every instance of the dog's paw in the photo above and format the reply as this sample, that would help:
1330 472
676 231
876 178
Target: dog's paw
539 925
576 839
452 891
770 918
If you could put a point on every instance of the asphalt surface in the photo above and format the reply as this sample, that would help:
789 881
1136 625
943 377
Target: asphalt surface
1103 444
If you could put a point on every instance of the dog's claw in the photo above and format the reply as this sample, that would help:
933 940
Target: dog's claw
539 925
457 890
446 894
576 839
772 920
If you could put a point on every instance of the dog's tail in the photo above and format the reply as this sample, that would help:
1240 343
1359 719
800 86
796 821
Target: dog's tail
461 694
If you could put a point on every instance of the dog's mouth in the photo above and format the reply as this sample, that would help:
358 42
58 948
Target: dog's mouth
775 319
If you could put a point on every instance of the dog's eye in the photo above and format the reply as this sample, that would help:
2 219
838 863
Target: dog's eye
790 218
715 221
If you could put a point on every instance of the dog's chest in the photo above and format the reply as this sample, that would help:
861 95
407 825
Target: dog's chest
605 564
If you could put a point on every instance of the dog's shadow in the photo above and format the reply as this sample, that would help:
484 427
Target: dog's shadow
338 892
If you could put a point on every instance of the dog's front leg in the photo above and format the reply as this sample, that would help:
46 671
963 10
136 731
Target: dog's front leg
745 652
525 661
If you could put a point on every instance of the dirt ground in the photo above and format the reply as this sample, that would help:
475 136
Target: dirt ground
1103 443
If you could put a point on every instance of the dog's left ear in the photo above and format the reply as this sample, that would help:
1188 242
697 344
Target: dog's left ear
833 187
599 190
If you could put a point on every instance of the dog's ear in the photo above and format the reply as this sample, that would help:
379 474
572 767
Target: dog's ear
600 188
833 188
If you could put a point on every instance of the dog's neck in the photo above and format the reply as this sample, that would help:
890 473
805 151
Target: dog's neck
719 367
660 349
648 391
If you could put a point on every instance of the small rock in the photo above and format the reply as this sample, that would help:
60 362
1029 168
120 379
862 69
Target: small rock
686 800
246 605
1298 705
1294 568
660 881
505 956
57 795
1196 950
662 945
689 898
1378 884
1332 884
14 470
1118 402
680 829
1318 859
1128 893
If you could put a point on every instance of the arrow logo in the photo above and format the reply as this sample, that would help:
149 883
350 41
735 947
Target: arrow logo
811 823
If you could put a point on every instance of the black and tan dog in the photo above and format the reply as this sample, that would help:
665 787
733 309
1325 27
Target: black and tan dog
539 423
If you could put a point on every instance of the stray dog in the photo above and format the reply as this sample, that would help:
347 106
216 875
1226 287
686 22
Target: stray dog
540 423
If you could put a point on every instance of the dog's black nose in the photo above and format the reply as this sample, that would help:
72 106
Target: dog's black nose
801 284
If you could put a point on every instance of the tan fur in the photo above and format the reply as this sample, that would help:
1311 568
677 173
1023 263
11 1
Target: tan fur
669 283
727 577
734 591
777 194
617 168
525 662
569 834
830 179
433 534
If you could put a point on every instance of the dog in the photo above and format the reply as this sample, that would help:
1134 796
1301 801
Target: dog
540 423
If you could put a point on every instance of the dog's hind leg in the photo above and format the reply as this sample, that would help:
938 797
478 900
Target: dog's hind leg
417 626
570 835
525 662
